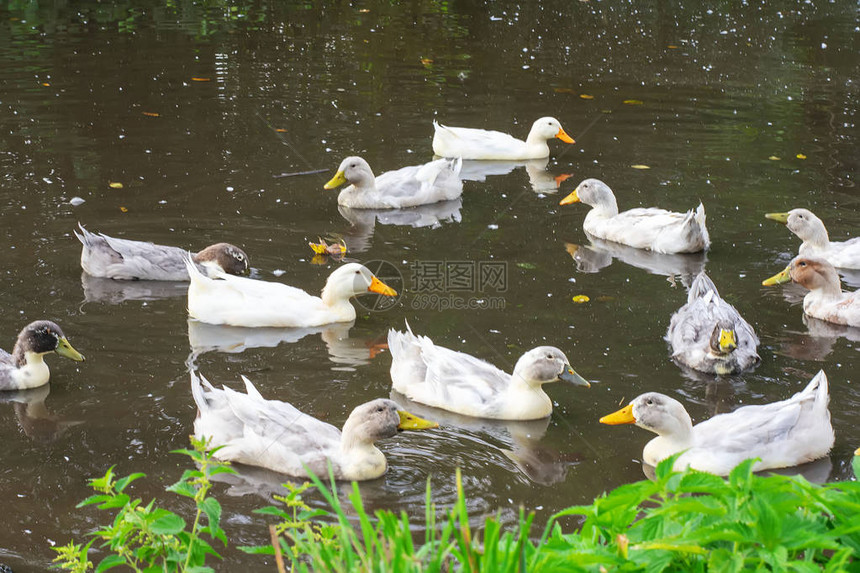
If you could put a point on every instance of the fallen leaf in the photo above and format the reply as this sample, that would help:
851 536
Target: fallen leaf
528 266
319 259
115 185
586 96
46 84
633 101
580 298
426 61
123 209
280 130
773 158
201 80
150 114
640 166
672 47
565 91
364 10
801 156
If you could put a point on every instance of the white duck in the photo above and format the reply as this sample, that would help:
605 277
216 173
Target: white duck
709 334
644 228
782 434
406 187
816 242
240 301
468 143
122 259
461 383
25 367
825 299
275 435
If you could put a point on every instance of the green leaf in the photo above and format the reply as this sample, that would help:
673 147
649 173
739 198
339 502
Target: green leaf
212 508
183 488
528 266
109 562
168 523
122 483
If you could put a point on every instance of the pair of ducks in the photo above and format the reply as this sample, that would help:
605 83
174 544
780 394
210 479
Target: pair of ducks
439 180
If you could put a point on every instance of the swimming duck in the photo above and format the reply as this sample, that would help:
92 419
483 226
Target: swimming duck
406 187
275 435
122 259
825 299
816 242
240 301
468 143
782 434
25 367
455 381
709 334
644 228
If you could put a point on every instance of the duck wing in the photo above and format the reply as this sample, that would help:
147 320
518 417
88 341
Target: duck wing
470 143
123 259
652 228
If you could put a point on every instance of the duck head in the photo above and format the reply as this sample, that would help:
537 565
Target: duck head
723 339
655 412
812 273
546 364
353 279
354 170
593 192
229 258
547 128
802 223
42 337
380 419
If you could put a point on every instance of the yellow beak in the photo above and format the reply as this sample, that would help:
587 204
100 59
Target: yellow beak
781 277
727 341
778 217
65 349
622 416
564 136
380 287
336 181
572 198
412 422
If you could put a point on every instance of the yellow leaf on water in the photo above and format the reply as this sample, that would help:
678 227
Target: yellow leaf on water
426 61
633 101
640 166
46 84
150 114
123 209
280 130
773 158
580 298
586 96
801 156
201 80
672 47
115 185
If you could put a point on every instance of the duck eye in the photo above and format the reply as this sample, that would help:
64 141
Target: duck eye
380 409
358 272
801 264
649 401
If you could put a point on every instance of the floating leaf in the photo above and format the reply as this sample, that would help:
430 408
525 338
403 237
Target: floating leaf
426 61
150 114
801 156
586 96
528 266
580 298
633 101
115 185
46 84
364 10
123 209
201 79
672 47
565 91
280 130
773 158
640 166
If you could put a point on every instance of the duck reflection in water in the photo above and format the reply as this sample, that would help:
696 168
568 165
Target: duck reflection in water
541 180
363 221
37 422
818 341
518 441
342 349
599 254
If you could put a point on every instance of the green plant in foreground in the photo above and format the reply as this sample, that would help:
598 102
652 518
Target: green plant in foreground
147 538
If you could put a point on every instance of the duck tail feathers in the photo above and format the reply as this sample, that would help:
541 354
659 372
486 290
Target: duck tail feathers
819 388
403 344
197 391
702 285
251 390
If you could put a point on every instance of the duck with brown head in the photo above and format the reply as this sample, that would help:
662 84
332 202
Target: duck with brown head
825 299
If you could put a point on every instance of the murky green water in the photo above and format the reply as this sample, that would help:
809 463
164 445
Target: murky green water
750 109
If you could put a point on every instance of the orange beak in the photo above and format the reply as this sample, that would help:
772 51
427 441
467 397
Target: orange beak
622 416
380 287
572 198
563 136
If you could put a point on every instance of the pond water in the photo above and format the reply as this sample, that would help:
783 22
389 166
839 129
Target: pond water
223 121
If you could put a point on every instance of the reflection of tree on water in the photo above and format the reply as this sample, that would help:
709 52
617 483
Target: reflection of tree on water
39 424
600 254
519 441
342 349
358 237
